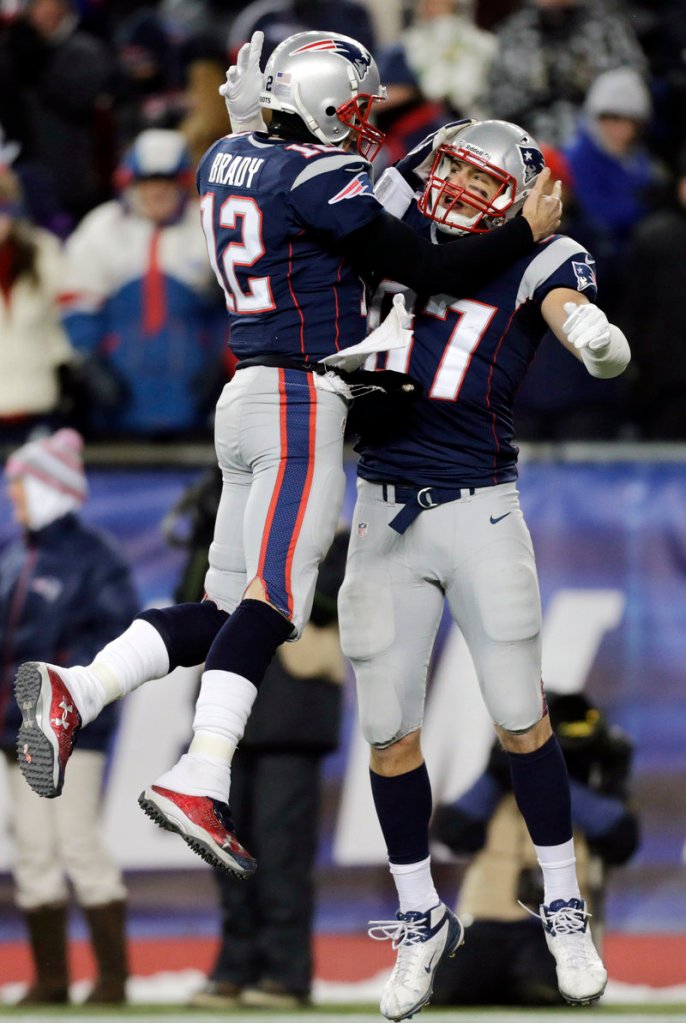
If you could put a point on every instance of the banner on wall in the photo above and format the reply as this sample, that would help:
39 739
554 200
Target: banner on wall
611 550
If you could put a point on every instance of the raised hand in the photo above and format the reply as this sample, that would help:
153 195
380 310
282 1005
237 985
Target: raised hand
243 85
543 206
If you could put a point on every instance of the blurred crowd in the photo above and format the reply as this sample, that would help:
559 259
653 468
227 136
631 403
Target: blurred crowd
111 320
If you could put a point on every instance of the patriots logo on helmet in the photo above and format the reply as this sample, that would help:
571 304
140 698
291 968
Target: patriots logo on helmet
533 162
356 54
585 274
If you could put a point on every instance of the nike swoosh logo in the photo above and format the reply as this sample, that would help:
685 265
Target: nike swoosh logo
427 969
499 519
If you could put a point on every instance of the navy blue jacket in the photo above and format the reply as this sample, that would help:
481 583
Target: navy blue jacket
65 591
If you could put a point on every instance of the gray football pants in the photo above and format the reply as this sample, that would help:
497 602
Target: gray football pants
475 552
279 445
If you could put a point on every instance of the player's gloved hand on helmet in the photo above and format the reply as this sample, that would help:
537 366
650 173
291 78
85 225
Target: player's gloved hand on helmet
243 85
415 166
586 326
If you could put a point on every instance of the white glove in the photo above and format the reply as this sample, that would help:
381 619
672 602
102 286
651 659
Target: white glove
444 137
416 164
243 86
586 326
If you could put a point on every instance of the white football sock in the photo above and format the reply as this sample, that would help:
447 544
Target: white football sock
222 710
221 713
415 885
198 776
558 864
135 657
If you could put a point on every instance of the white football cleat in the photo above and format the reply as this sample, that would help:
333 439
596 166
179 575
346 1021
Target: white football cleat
423 940
581 976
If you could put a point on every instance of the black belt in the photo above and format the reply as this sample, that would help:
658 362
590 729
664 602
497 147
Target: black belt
285 362
419 499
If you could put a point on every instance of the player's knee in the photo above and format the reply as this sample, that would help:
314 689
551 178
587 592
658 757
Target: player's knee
518 712
397 756
520 725
365 617
380 711
509 602
256 591
527 739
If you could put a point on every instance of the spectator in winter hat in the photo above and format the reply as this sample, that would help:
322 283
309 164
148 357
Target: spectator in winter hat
614 173
64 591
47 479
141 301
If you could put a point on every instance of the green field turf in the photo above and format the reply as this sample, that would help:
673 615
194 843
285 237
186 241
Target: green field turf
348 1014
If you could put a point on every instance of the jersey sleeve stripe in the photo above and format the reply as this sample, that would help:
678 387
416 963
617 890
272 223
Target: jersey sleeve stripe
546 263
325 165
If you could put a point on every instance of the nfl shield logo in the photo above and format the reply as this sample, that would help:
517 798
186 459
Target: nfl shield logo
361 528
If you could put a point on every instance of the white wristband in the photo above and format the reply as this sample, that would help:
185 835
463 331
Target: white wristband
609 361
393 192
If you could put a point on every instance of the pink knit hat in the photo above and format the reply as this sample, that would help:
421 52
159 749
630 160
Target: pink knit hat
57 461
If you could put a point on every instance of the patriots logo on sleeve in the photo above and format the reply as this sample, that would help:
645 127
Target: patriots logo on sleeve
359 185
533 162
585 274
358 57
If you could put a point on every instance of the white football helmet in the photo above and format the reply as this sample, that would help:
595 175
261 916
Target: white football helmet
504 151
331 82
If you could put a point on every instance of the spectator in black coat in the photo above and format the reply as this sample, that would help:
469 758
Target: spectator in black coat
63 80
651 308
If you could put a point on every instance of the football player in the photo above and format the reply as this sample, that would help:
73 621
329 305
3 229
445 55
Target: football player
291 223
438 518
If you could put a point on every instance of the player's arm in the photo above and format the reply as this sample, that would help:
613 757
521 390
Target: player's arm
586 332
390 248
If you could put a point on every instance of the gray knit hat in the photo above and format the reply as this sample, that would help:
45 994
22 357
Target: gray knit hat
56 461
622 92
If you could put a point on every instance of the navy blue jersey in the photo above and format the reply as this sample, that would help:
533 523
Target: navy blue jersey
273 213
470 356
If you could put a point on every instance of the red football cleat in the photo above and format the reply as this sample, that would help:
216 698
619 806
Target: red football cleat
205 825
50 725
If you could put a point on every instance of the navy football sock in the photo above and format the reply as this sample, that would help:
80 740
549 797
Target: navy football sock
541 787
187 630
403 806
247 642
